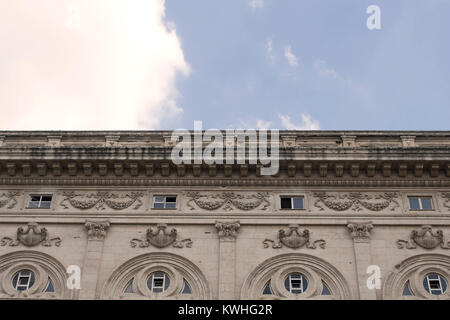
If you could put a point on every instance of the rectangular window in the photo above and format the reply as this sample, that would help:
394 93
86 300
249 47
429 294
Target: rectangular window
420 203
292 203
41 201
164 202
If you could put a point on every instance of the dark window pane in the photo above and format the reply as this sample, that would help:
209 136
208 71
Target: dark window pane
414 203
407 290
286 203
158 205
171 205
325 290
35 198
426 204
267 289
46 198
186 288
298 203
171 199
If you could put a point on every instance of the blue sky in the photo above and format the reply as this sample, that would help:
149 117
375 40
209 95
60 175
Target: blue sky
346 76
286 64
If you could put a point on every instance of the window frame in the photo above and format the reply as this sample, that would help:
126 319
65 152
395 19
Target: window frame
165 201
419 198
301 278
292 197
18 275
439 279
40 195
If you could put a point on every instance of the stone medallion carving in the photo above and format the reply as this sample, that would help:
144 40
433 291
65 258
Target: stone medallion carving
8 199
293 238
30 236
356 201
228 201
160 237
102 199
424 238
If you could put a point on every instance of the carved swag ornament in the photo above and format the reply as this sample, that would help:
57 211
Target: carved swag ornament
228 201
356 201
9 199
102 199
161 238
294 238
31 236
424 238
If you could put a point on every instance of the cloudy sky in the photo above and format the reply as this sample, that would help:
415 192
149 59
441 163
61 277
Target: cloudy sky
290 64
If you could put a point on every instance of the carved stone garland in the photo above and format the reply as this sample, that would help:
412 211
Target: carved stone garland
31 236
424 238
293 238
101 199
446 196
161 238
9 198
228 201
356 201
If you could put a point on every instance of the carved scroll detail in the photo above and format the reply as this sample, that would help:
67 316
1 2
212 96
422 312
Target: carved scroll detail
424 238
356 201
161 238
31 236
294 238
102 199
228 201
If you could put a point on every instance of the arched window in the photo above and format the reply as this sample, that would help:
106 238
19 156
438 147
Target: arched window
423 276
295 276
31 274
157 275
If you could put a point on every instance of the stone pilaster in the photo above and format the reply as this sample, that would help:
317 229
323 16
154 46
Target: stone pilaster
227 258
96 231
360 233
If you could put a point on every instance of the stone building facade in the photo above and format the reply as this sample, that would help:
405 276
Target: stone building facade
350 215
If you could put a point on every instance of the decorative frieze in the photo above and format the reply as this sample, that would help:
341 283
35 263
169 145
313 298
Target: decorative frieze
96 230
31 236
228 201
360 231
160 237
101 200
294 238
356 201
425 238
227 230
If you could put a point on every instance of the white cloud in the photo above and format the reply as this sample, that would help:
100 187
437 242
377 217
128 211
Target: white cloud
323 70
114 68
291 58
306 124
255 4
269 51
